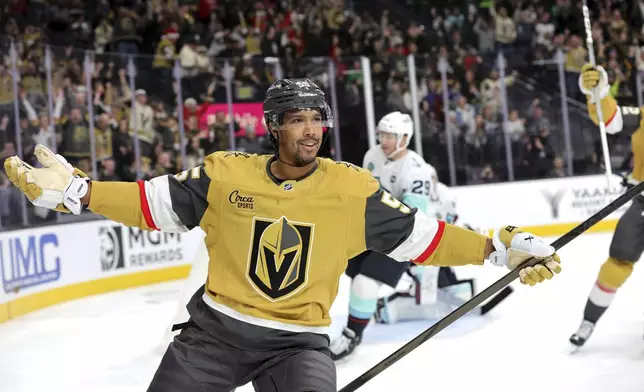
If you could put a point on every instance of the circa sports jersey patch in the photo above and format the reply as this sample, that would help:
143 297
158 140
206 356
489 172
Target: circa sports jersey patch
241 201
278 261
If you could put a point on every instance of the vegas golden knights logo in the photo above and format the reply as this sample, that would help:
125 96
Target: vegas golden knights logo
279 256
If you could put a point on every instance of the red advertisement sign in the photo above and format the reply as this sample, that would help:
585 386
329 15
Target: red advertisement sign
245 114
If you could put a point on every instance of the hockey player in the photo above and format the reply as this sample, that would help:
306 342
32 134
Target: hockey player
279 231
628 239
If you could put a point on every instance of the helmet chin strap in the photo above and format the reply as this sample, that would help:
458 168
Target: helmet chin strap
398 149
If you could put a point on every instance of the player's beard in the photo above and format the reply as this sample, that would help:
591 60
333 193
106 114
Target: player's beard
303 157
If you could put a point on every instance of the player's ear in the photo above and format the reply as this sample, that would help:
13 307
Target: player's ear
273 132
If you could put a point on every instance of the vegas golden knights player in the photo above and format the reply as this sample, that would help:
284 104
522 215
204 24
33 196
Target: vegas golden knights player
628 240
279 231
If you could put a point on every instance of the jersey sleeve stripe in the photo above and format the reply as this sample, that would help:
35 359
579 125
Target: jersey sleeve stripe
145 206
432 245
425 232
612 116
161 207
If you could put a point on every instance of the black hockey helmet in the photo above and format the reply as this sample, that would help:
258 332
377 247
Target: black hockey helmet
294 94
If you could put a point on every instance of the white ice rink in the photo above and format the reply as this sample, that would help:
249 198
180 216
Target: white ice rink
111 342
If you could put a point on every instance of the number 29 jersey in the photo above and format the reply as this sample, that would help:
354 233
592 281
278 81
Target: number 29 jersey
409 179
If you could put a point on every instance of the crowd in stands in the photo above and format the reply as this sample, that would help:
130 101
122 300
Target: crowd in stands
233 50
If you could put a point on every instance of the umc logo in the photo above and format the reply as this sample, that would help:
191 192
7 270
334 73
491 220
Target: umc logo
111 248
29 261
279 258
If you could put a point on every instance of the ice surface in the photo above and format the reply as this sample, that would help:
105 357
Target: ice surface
111 342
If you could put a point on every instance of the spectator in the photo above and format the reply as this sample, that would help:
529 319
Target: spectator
142 126
576 57
108 170
464 116
484 29
545 31
5 197
252 43
253 144
515 126
558 170
506 31
125 34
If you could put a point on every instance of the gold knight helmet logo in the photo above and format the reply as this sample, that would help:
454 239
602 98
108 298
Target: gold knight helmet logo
279 257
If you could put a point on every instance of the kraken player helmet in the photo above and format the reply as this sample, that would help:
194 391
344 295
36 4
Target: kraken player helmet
399 124
294 94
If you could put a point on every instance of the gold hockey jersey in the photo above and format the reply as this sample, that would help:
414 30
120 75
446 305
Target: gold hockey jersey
627 120
278 248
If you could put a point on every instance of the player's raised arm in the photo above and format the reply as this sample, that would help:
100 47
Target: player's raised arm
406 234
166 203
625 119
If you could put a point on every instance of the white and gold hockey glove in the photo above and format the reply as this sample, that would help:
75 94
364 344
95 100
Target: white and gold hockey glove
592 78
56 186
513 247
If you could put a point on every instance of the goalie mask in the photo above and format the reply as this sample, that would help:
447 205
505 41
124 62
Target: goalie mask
399 125
294 94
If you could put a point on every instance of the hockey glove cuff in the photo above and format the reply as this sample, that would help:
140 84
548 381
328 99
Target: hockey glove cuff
56 186
513 247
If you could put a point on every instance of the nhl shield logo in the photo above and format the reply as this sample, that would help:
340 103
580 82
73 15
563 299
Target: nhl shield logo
279 258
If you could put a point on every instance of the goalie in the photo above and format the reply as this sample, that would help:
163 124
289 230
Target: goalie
279 230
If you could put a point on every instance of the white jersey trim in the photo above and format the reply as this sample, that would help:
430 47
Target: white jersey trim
423 234
260 321
615 124
157 191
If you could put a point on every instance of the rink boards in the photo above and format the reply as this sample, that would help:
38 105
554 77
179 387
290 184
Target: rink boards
544 207
44 266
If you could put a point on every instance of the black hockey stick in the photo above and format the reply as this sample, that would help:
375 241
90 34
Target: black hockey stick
496 300
489 292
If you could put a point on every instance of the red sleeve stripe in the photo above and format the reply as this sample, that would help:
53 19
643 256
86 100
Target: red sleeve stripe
605 288
145 206
611 117
432 245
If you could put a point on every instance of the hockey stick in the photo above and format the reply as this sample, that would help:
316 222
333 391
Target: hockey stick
497 299
600 114
489 292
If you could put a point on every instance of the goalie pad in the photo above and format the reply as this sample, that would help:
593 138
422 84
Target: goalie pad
425 300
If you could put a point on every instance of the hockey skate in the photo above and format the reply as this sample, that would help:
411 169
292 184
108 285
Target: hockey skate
344 345
579 338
